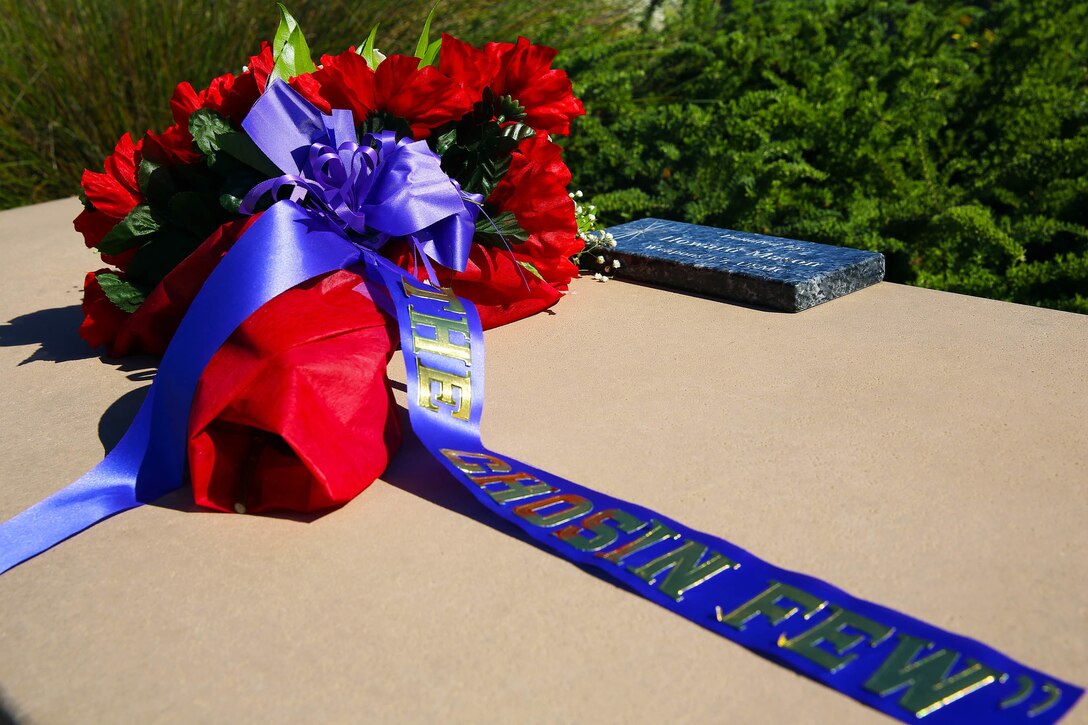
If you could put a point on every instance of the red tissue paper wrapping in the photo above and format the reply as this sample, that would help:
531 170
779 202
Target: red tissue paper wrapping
295 411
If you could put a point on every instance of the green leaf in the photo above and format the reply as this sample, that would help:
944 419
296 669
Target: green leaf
508 109
491 232
430 56
119 292
132 231
213 133
156 182
444 141
290 54
532 270
426 51
243 148
206 127
370 55
518 132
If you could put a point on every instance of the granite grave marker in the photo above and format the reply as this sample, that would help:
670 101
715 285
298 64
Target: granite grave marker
782 274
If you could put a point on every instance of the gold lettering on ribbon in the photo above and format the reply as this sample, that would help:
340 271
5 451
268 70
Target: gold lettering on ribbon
448 385
442 344
659 532
767 604
929 686
440 295
831 631
453 390
457 458
575 506
603 534
684 569
484 469
514 489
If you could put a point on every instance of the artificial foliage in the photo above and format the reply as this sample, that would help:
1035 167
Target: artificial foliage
951 137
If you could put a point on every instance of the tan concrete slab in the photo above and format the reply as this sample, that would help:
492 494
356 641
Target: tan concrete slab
920 449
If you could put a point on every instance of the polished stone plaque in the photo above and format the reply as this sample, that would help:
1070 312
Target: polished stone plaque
781 274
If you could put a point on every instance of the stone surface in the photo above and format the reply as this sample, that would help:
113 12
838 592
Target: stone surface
783 274
921 449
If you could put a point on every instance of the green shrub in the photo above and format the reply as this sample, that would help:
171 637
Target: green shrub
952 138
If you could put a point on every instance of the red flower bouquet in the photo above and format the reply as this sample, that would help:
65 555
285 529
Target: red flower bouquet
294 411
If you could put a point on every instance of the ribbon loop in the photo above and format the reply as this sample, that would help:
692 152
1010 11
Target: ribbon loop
375 190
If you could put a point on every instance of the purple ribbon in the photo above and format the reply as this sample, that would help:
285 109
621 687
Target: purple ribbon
374 191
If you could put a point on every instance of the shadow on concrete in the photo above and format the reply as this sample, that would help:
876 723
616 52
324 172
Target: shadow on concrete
7 711
118 417
55 331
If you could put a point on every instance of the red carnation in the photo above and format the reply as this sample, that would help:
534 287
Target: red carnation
535 190
101 318
174 146
524 72
343 81
115 192
470 67
94 225
113 195
422 96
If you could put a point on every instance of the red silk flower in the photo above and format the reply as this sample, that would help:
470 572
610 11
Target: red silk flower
113 192
520 70
102 320
423 97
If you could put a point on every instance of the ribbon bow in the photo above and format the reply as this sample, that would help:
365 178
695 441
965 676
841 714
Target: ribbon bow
371 191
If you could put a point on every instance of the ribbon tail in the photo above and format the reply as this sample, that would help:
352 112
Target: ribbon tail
709 581
107 489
